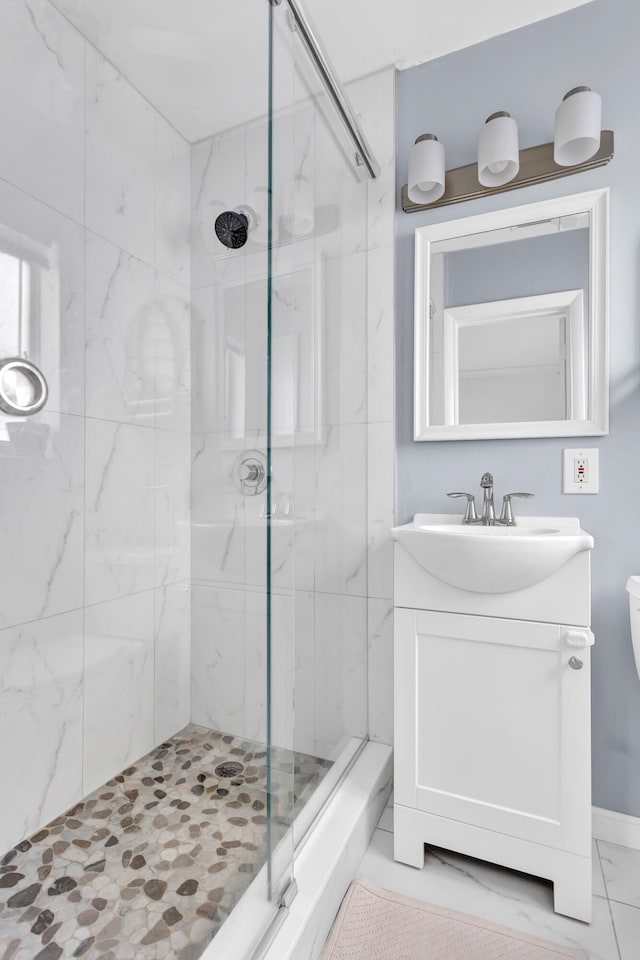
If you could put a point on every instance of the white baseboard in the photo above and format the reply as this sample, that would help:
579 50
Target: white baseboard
616 828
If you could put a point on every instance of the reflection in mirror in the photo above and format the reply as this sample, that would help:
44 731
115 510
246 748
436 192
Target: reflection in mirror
29 317
513 342
156 375
515 360
297 331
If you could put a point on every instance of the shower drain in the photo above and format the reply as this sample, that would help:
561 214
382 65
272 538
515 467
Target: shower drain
229 769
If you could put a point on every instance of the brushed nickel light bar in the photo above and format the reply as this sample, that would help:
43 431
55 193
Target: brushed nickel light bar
536 166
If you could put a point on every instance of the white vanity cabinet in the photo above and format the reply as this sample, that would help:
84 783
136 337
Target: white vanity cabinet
492 728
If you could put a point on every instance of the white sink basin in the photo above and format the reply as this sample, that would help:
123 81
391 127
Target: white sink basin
492 559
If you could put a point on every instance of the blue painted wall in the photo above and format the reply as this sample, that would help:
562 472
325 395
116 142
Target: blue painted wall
525 268
527 72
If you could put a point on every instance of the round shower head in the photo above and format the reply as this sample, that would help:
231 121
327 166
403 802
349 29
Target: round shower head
232 229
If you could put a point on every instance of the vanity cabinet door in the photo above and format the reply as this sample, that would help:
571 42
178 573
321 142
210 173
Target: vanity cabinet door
493 725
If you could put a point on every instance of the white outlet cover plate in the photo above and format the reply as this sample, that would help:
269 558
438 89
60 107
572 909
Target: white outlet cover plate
591 484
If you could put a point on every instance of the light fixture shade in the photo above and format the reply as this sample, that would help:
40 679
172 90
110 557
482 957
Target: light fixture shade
498 150
578 122
426 170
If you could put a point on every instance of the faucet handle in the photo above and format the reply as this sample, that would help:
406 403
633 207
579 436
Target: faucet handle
506 516
470 515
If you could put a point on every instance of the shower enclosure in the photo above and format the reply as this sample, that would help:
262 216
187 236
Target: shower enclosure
183 593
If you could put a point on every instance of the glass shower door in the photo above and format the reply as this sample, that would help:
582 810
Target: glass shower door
282 364
317 433
241 595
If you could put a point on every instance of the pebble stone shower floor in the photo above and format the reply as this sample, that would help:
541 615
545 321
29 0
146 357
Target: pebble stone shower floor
150 864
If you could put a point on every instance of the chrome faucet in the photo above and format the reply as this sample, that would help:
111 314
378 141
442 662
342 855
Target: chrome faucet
488 517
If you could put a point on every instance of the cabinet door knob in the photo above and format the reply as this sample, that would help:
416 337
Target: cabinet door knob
576 663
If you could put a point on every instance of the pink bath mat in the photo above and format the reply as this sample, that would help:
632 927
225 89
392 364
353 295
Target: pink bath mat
376 924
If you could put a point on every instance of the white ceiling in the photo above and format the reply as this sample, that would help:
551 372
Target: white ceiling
203 63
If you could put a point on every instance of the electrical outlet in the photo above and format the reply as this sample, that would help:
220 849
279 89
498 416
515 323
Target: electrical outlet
581 470
580 473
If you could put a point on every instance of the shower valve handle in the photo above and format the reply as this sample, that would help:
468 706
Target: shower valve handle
250 472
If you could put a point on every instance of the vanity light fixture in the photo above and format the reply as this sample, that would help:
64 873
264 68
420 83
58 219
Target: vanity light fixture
579 144
426 169
498 150
577 129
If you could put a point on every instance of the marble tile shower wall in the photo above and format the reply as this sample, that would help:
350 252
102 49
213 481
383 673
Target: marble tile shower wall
94 491
333 466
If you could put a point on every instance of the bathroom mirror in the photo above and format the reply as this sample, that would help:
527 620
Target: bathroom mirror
511 322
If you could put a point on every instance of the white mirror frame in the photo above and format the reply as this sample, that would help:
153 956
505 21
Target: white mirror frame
596 204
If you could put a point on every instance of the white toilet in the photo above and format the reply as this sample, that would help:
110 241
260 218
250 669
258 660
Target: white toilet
633 586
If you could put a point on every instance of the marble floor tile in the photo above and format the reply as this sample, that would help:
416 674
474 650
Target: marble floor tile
386 820
599 888
626 920
501 896
621 869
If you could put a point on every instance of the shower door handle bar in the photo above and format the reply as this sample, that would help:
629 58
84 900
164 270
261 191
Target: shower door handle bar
364 153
